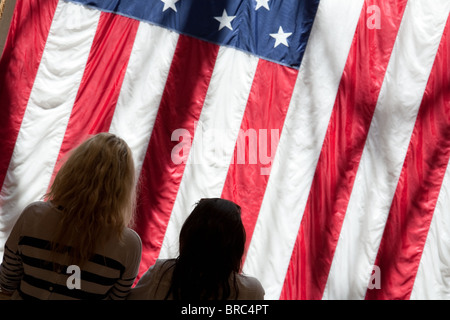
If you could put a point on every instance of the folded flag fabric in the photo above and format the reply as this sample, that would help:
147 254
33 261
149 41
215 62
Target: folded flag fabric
327 121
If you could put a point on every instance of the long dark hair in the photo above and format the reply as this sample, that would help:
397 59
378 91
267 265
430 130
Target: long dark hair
212 243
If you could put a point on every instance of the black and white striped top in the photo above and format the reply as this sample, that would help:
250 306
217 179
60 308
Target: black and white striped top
28 269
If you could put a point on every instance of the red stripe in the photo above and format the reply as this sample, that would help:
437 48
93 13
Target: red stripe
418 189
266 109
100 86
341 152
20 61
180 108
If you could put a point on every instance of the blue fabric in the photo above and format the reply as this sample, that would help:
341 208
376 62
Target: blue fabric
251 27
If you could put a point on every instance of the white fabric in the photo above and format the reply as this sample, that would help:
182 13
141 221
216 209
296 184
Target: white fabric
142 88
388 139
214 140
300 143
48 111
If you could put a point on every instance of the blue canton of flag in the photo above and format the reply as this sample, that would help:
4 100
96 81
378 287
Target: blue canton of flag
273 30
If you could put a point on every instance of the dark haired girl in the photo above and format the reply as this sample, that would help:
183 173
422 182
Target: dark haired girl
212 242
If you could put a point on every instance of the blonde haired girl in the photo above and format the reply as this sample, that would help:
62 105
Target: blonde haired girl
84 225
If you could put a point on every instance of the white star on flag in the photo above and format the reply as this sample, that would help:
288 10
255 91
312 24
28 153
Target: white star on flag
281 37
225 20
262 3
170 4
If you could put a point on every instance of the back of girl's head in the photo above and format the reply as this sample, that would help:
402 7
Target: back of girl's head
96 188
214 232
212 242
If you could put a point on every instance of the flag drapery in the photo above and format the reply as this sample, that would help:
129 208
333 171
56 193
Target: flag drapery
327 121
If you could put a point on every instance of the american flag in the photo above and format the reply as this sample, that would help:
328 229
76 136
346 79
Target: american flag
327 121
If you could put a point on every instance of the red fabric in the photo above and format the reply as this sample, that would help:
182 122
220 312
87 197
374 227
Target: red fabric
18 68
419 184
341 151
310 274
102 79
184 93
266 109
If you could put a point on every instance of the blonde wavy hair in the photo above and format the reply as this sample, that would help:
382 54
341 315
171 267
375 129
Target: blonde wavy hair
95 189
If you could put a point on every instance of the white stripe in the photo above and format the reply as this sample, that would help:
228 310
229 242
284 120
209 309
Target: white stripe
48 111
385 149
433 276
142 88
300 143
214 140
